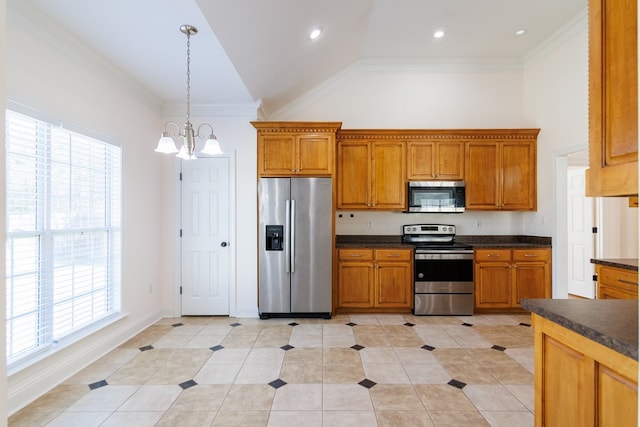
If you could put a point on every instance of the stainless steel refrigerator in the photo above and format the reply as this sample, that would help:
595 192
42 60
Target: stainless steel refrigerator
295 235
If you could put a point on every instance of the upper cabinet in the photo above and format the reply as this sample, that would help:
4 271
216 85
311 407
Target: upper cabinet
613 98
371 171
435 160
296 148
501 171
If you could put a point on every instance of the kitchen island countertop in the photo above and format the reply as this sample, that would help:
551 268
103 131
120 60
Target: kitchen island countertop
612 323
624 263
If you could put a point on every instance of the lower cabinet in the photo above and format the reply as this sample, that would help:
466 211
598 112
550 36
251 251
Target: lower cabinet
579 382
502 277
616 283
375 279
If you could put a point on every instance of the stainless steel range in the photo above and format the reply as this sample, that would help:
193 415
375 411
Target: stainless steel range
443 270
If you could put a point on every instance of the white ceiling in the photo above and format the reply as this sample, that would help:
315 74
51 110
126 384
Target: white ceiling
257 50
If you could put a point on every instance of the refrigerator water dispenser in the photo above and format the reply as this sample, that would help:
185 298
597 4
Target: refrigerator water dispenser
274 236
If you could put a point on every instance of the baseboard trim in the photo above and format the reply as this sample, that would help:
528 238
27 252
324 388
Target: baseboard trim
32 382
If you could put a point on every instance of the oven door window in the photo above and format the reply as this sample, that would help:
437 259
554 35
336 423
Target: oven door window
453 270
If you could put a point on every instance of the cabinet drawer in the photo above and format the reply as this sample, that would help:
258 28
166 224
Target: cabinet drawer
355 255
493 255
393 254
618 277
531 255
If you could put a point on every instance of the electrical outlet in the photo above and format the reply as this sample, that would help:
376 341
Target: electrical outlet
369 224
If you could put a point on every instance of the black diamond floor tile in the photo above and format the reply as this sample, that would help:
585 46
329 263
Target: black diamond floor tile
351 324
188 384
357 347
428 347
98 384
287 347
235 324
293 324
525 324
457 384
216 348
467 324
177 325
146 347
409 324
367 383
277 383
498 347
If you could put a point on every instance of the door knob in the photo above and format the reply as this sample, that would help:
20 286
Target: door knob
223 244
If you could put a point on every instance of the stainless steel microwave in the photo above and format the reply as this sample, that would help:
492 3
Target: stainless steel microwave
436 196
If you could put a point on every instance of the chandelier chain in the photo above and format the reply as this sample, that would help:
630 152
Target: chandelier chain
188 75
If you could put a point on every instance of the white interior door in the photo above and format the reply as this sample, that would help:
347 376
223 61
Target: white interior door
580 235
205 236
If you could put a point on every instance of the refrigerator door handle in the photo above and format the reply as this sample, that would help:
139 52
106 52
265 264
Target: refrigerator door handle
287 236
292 234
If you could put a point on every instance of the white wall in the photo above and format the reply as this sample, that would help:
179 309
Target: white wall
54 75
3 325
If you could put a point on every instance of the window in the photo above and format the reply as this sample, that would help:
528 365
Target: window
63 233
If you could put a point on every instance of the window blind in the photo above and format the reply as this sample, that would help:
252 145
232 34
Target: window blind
63 250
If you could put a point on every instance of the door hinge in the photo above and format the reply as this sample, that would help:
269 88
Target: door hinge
595 277
594 230
180 176
180 290
181 232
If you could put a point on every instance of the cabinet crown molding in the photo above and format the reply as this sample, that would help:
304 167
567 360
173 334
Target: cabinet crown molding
440 134
265 127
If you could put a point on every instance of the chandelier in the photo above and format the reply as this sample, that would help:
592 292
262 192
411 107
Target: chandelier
188 148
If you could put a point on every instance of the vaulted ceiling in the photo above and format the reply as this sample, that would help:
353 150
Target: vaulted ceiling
250 51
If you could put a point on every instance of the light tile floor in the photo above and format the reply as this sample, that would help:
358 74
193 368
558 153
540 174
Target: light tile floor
351 370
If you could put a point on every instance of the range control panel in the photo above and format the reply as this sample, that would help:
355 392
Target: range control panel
429 229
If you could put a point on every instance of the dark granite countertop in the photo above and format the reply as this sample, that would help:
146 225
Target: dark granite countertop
624 263
612 323
395 241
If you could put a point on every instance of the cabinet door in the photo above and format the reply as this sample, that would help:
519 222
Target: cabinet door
531 280
355 284
315 154
353 175
481 175
276 154
616 399
616 283
567 381
518 176
613 111
388 165
492 284
449 161
393 281
420 160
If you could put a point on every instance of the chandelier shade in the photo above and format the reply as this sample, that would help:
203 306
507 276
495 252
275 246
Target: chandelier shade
167 144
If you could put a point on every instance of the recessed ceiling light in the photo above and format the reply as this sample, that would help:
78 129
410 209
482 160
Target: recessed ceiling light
520 32
315 33
438 34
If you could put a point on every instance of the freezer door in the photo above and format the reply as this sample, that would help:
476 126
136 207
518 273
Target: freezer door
311 245
274 279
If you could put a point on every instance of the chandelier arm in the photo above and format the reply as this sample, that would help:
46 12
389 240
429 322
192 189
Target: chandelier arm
203 136
178 132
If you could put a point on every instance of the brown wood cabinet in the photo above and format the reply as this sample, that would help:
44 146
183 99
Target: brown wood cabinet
613 100
616 283
502 277
579 382
501 175
296 148
375 279
435 160
371 174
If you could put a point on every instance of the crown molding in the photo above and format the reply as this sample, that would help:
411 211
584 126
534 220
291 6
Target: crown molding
23 14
